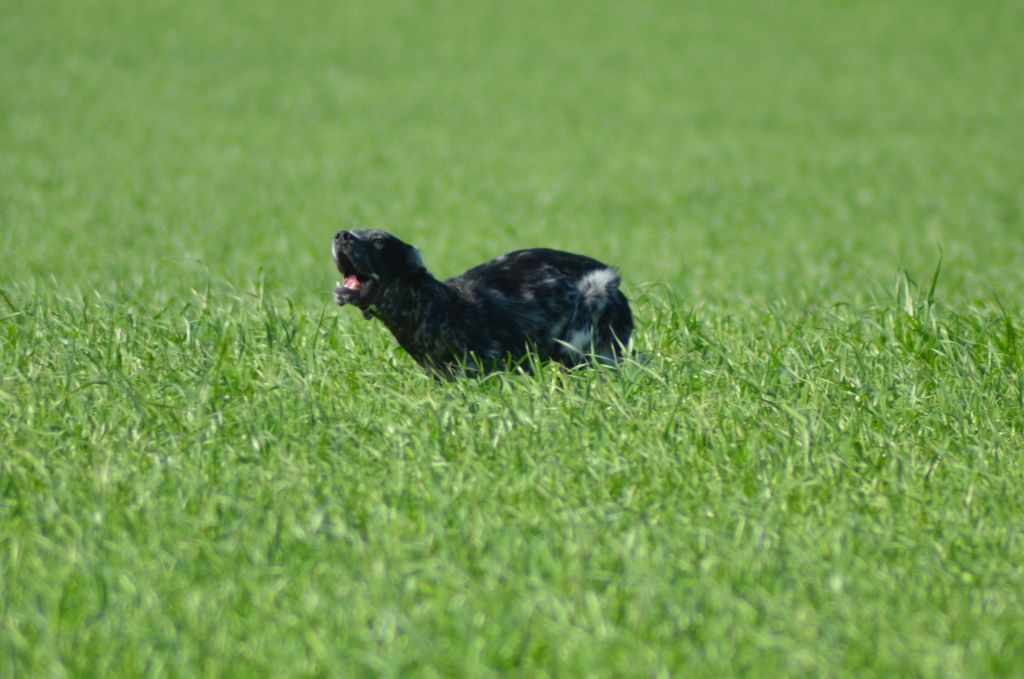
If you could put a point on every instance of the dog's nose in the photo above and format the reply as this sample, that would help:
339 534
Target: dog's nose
342 237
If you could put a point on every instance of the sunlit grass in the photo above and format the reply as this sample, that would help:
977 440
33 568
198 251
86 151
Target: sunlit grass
206 468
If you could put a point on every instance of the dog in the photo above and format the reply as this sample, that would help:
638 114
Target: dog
554 305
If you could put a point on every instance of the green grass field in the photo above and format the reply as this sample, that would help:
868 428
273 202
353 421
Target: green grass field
208 469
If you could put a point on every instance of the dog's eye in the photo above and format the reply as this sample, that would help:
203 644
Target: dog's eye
379 244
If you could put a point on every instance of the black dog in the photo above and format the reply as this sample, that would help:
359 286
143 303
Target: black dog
557 305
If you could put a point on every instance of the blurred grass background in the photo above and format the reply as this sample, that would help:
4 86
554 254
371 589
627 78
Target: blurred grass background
761 149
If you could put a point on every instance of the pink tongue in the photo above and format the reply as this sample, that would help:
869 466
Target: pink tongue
352 283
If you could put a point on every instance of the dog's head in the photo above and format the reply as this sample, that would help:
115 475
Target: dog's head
371 262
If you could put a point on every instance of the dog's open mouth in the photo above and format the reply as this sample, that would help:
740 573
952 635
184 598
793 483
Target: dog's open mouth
357 288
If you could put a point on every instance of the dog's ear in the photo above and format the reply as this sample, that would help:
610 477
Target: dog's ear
416 260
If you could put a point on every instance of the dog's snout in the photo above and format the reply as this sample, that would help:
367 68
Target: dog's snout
343 237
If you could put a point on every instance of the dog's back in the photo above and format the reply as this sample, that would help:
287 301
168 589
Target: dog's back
565 306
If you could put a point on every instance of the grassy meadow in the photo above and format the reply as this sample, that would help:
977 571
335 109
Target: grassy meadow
207 469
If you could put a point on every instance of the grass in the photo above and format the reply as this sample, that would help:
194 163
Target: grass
207 469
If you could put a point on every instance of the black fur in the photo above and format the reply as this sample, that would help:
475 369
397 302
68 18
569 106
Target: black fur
558 305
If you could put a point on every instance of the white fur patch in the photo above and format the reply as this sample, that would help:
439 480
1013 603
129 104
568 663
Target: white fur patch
579 340
597 285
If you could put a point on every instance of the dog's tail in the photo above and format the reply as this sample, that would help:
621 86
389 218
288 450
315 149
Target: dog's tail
603 321
597 288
